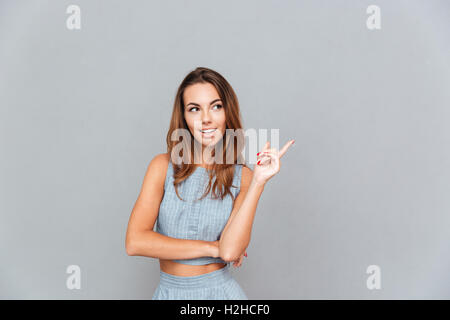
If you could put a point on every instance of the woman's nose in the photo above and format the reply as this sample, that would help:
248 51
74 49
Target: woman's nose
205 116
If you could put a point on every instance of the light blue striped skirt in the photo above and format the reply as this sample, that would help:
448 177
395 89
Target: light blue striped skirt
215 285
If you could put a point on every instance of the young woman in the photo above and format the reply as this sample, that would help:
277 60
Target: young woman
204 207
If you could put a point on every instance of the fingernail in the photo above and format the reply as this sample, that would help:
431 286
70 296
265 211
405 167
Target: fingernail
245 254
258 162
258 153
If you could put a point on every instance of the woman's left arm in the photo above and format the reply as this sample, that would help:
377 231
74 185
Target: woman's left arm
236 235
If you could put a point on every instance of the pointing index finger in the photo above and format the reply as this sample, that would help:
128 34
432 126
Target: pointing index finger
286 147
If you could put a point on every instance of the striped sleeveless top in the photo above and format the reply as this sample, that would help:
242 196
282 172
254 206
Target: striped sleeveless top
195 219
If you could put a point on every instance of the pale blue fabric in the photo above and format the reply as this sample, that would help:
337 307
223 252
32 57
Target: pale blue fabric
197 220
193 219
215 285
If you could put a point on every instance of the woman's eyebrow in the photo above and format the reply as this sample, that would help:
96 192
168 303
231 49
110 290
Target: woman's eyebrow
196 104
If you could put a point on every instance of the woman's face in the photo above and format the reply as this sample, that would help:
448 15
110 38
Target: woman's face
203 110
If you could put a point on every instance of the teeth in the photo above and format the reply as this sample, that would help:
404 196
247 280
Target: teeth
207 131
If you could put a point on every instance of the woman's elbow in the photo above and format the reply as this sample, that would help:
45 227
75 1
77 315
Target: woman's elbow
130 246
230 253
130 249
228 256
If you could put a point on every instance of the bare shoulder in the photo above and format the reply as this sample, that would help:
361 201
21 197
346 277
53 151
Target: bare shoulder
160 161
246 178
157 169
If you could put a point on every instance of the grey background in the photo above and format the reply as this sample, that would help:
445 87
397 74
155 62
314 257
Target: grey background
83 112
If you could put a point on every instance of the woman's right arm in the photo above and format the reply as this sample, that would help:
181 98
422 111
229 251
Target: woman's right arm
141 240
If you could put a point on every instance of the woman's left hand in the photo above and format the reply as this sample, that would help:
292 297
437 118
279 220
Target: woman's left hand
238 262
269 162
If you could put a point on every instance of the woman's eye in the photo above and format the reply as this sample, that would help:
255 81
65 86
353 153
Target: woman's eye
217 105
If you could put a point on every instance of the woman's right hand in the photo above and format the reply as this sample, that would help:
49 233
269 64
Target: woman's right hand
268 162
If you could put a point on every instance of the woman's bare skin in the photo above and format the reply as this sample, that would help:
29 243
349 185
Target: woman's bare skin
185 270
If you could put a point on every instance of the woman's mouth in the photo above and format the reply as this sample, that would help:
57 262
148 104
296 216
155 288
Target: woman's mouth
208 133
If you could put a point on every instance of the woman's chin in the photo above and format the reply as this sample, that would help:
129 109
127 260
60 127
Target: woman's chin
206 142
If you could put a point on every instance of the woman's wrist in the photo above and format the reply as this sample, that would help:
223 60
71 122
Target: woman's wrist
212 248
256 183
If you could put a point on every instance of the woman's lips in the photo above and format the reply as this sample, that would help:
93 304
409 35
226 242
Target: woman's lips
208 134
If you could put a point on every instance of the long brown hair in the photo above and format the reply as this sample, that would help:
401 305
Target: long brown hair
224 173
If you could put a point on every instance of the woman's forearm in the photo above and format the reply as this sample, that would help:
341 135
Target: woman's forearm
155 245
236 236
